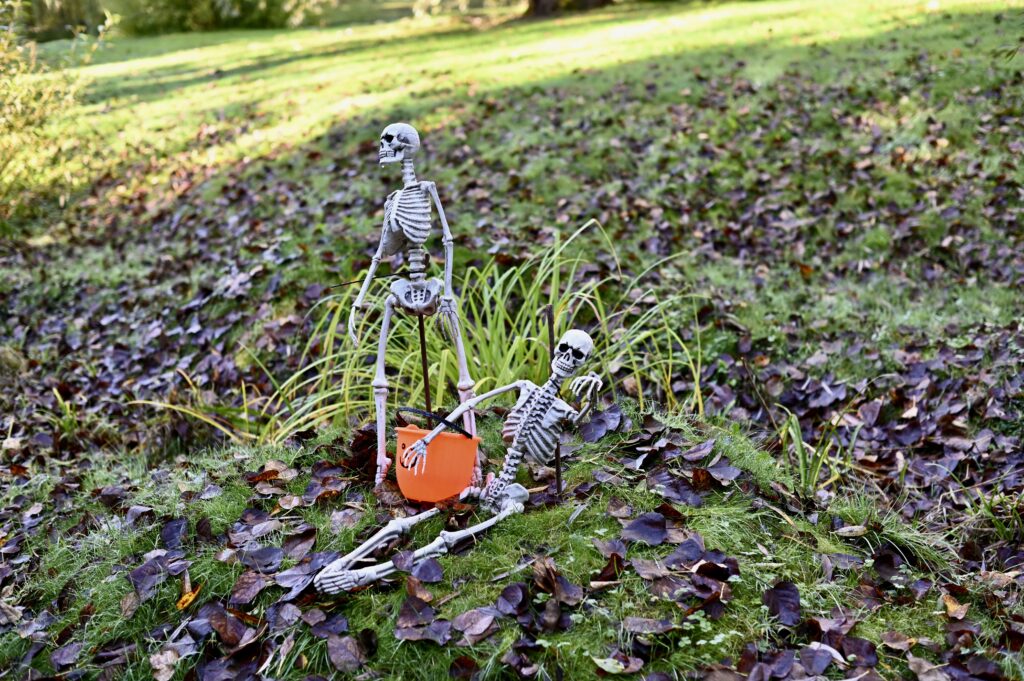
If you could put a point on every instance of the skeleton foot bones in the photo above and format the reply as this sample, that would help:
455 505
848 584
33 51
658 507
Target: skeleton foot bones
532 429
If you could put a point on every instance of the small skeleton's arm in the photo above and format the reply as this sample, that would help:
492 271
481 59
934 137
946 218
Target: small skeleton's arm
585 388
416 456
447 240
365 288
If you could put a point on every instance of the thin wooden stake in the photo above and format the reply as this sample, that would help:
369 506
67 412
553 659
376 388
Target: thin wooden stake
550 312
423 363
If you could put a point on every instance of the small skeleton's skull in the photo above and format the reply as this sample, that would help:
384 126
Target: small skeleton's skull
571 353
398 141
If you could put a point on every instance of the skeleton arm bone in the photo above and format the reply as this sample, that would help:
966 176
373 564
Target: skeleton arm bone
448 319
447 240
365 288
418 451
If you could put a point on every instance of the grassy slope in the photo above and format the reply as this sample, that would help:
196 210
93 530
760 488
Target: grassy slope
198 104
151 96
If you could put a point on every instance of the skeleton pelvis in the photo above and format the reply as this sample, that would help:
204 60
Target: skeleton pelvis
420 297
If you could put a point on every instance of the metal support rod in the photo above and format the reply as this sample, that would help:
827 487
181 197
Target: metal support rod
423 363
550 313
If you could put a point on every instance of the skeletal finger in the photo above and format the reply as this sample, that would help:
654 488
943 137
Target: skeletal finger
442 327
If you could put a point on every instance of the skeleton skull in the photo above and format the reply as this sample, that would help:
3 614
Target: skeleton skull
571 353
398 142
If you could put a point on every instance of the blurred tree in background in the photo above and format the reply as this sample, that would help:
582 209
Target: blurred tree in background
543 8
52 19
534 8
43 20
143 17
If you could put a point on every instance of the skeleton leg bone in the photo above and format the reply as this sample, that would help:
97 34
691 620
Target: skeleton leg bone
346 580
465 387
465 381
380 393
332 578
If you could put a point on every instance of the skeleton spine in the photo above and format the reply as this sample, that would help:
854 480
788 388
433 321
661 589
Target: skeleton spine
533 439
537 441
417 257
408 172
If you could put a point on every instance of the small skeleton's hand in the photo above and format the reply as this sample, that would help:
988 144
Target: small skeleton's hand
448 318
586 387
416 456
353 313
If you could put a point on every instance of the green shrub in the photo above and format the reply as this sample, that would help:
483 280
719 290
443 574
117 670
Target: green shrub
43 20
34 98
147 17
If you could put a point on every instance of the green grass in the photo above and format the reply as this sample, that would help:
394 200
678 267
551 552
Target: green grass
150 96
268 107
204 103
200 105
769 546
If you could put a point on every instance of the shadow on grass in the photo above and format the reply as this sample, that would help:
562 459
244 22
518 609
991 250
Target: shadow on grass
669 72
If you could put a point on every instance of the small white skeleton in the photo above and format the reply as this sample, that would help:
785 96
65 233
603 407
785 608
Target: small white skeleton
532 428
407 217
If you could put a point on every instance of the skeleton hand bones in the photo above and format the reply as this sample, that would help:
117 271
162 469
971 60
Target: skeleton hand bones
448 317
416 456
352 323
586 387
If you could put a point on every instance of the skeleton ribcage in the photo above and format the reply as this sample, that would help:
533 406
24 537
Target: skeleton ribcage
408 212
535 423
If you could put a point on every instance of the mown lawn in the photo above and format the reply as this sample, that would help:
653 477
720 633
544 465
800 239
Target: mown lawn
822 202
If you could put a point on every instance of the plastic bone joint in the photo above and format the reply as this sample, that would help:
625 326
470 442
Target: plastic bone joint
532 430
407 226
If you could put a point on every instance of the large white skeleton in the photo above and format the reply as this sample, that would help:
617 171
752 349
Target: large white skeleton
406 228
532 429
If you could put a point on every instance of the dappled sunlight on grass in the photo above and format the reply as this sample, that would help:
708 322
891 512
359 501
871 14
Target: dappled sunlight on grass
285 87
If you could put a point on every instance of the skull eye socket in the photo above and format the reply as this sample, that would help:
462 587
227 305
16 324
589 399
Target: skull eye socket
388 138
578 354
563 348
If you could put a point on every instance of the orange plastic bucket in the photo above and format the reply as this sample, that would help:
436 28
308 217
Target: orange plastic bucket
451 458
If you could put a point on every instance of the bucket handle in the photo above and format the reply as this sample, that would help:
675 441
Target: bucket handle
436 418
